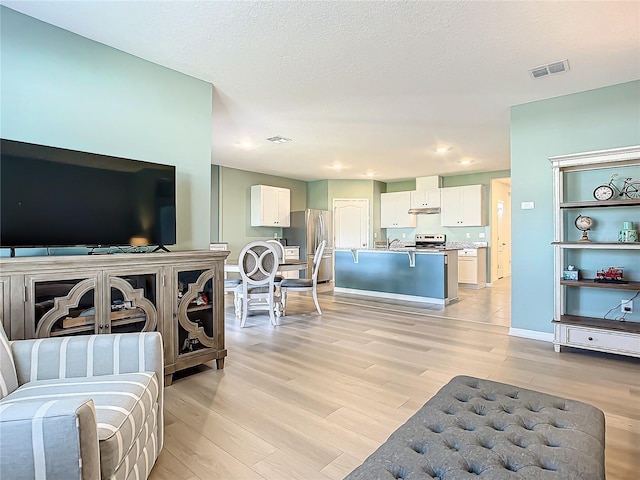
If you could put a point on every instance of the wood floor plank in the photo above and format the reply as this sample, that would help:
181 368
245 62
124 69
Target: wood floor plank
203 457
314 396
283 465
229 436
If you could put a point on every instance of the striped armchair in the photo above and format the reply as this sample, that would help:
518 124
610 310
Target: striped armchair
81 407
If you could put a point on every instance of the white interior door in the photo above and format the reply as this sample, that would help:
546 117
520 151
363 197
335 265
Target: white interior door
504 239
351 222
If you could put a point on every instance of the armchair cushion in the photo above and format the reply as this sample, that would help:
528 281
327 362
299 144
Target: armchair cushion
48 438
124 404
8 377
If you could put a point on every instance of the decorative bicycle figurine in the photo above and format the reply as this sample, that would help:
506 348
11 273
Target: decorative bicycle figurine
630 189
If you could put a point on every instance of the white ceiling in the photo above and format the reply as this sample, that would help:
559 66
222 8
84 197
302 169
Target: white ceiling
372 86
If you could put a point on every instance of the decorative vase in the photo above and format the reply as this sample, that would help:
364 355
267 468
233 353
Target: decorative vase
628 234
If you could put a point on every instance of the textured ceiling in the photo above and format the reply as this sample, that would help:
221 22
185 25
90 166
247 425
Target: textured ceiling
372 86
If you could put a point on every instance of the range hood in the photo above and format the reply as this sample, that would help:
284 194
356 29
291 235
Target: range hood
424 211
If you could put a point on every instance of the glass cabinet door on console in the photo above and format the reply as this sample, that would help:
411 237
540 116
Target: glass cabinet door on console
194 334
132 303
58 305
194 298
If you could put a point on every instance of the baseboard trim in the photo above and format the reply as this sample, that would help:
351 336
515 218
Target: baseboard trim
531 334
393 296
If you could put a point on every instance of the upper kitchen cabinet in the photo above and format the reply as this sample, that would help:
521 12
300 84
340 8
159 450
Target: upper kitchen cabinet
394 208
462 206
425 198
270 206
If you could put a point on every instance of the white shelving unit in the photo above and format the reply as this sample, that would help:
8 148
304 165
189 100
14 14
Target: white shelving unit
586 332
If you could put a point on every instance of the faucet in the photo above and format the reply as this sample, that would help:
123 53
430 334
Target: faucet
389 241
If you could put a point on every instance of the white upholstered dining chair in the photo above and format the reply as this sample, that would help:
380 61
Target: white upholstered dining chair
258 262
304 284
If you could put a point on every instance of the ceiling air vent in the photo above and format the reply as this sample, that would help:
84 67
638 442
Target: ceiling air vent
549 69
279 139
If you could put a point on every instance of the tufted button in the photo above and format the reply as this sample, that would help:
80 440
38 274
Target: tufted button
431 472
507 408
480 410
461 397
435 428
420 448
452 446
399 472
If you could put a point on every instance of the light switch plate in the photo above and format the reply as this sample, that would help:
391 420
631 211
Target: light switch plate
527 205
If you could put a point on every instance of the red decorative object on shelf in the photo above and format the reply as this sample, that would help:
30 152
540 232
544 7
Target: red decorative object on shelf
611 275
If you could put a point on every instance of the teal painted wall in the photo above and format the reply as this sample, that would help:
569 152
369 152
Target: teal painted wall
235 203
215 203
318 195
64 90
593 120
404 186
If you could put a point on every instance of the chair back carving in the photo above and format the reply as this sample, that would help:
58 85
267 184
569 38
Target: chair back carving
258 263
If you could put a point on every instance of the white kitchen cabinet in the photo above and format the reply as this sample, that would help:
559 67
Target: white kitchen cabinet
291 253
472 267
270 206
462 206
394 208
425 198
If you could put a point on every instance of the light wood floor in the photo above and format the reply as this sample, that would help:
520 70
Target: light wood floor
313 397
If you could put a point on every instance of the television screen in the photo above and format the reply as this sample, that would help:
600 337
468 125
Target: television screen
53 197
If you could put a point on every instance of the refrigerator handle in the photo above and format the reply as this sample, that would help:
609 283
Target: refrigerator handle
320 230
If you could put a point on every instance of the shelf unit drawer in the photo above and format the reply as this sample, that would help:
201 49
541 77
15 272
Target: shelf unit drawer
600 340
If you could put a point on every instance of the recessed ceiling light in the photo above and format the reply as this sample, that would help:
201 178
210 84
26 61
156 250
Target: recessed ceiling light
443 149
370 174
279 139
336 166
246 145
466 161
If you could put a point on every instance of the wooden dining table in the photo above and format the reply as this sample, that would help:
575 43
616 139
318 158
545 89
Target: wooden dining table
286 265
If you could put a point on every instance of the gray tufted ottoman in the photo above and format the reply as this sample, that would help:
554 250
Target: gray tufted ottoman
478 428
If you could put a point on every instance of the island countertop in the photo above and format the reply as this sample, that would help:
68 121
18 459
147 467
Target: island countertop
409 273
401 250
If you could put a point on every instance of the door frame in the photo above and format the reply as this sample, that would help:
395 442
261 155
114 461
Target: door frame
496 185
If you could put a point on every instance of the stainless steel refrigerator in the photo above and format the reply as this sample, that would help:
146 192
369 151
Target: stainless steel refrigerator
308 229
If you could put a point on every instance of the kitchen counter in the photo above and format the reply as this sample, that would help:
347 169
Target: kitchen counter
404 273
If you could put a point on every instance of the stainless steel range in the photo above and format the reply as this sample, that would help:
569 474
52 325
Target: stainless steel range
430 240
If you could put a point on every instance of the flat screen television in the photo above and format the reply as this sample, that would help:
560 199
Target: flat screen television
53 197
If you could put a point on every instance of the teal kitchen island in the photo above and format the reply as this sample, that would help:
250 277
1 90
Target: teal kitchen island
422 275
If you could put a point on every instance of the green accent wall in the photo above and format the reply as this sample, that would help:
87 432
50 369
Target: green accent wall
234 192
318 195
67 91
598 119
215 203
404 186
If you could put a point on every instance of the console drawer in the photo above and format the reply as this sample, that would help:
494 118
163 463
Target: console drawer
602 340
